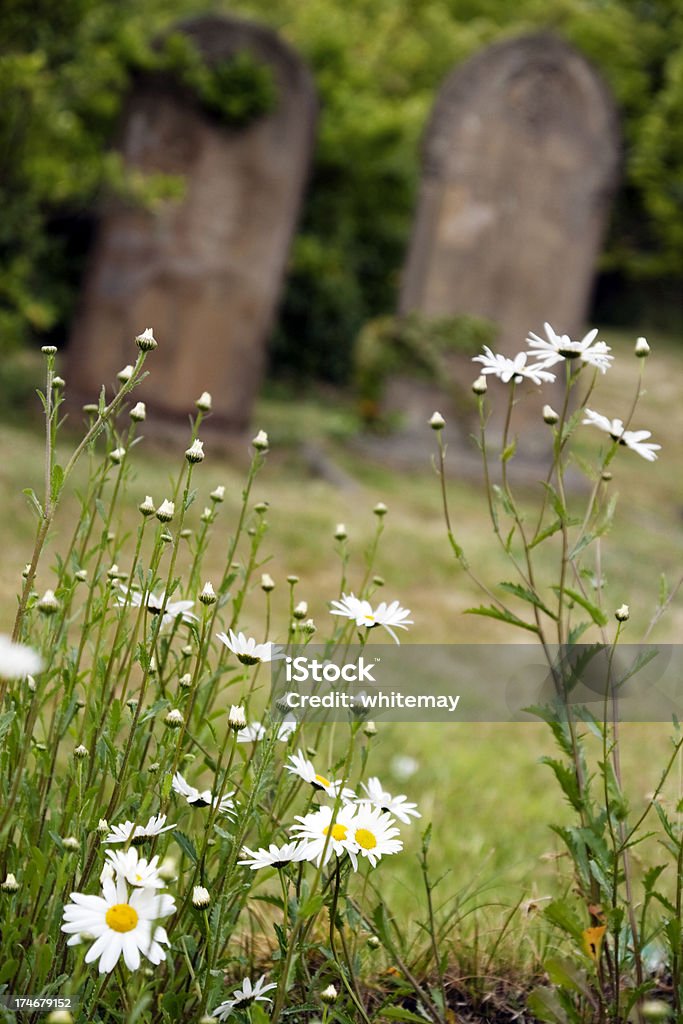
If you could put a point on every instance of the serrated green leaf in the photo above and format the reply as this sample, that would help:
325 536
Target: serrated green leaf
503 616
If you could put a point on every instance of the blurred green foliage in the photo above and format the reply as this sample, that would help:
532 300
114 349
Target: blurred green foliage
377 63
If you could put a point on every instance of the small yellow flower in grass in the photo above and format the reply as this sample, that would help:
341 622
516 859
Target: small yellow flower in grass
592 941
10 885
323 833
372 835
204 402
200 897
122 924
260 442
146 341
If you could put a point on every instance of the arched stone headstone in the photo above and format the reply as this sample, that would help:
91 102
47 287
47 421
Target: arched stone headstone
520 161
205 272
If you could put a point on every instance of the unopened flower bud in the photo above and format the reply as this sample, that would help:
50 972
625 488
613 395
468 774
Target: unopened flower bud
267 583
642 349
102 827
261 507
26 570
237 719
203 403
380 509
437 422
147 507
139 412
48 603
373 942
606 476
174 719
187 651
218 493
195 453
117 455
340 532
200 897
125 374
378 581
292 580
146 341
549 415
370 729
113 573
166 511
10 885
260 442
329 995
308 627
166 537
301 610
208 594
49 350
81 575
622 614
81 752
31 683
207 515
185 681
154 768
58 382
71 844
91 409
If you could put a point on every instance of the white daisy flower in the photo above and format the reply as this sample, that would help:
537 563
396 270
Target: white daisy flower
155 602
636 440
17 660
248 651
252 733
512 369
245 996
203 798
130 832
302 767
134 869
362 612
399 806
372 834
273 857
555 347
322 833
121 924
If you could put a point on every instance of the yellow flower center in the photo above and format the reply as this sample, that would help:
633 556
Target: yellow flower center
121 917
322 781
366 839
338 832
369 617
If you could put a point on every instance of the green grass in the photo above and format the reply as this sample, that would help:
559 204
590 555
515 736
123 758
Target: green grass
481 785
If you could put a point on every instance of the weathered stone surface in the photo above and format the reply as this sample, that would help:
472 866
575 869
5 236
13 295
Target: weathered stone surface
520 162
204 272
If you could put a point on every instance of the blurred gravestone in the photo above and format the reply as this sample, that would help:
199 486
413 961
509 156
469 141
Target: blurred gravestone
204 271
520 161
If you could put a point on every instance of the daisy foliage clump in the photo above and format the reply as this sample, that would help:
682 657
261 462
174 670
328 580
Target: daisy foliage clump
612 918
164 838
